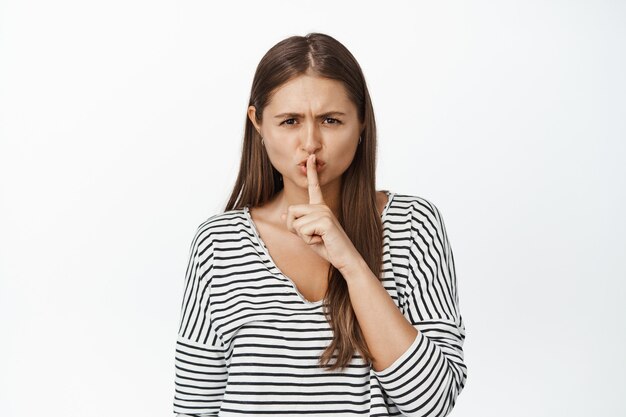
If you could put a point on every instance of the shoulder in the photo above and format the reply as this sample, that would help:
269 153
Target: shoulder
419 207
423 215
219 226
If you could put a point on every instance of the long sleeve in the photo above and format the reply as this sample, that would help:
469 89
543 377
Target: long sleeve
428 377
201 371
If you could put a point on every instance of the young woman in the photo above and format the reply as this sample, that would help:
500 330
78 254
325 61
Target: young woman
313 293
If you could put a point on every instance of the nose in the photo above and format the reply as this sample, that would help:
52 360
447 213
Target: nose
311 141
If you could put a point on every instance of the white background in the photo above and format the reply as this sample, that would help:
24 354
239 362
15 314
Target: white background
121 129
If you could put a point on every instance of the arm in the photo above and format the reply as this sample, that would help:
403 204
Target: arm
417 347
201 370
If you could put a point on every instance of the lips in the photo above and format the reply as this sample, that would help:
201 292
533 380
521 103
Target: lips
319 162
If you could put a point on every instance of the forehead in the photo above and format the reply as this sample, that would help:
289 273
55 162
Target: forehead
310 92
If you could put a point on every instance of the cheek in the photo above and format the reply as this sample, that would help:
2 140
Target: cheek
280 156
342 156
282 143
347 158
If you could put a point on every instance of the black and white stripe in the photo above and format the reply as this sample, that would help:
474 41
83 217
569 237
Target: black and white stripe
248 342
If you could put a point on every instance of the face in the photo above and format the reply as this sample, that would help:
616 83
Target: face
306 115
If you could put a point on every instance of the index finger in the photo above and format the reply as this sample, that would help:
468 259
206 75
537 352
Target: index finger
315 191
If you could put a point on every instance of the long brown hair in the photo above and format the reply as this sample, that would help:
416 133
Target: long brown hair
258 180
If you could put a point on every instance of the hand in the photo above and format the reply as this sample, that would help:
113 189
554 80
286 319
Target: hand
316 224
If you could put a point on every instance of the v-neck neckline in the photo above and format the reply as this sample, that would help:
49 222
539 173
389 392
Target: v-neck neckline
260 241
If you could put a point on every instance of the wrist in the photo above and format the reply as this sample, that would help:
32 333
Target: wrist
356 270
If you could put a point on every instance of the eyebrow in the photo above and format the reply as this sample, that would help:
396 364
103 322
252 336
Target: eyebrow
291 114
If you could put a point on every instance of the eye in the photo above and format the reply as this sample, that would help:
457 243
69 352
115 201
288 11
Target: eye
335 121
285 121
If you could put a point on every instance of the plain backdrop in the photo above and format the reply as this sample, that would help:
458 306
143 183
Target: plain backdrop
121 127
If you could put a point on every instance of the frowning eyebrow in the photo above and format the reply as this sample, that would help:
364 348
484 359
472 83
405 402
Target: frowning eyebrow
321 116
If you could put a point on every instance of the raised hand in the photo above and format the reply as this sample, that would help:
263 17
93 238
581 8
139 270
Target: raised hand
316 224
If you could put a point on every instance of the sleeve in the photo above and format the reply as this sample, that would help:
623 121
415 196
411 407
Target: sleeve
200 366
428 377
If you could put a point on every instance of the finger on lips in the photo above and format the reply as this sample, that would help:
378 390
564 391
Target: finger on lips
315 192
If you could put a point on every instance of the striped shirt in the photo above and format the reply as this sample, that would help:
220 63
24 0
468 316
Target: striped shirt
248 341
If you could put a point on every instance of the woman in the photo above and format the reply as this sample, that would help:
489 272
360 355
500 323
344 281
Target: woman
283 311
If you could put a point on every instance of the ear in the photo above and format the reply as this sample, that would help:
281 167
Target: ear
252 117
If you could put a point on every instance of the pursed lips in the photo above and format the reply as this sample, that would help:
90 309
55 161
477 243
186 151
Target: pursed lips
318 163
302 166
